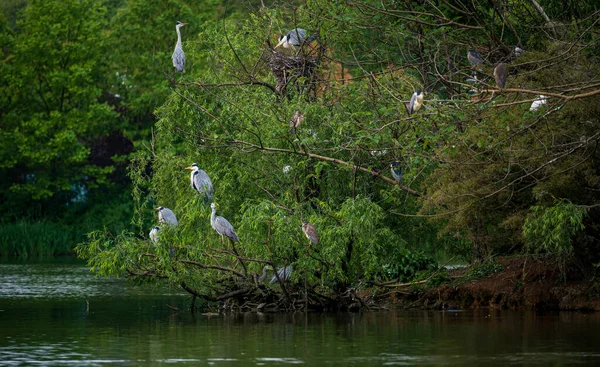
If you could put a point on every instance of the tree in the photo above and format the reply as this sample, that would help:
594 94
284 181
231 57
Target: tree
475 164
54 114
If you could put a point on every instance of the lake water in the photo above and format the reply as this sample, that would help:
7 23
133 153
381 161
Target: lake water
46 321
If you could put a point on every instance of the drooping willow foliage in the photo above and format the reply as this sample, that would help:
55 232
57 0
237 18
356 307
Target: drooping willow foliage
475 159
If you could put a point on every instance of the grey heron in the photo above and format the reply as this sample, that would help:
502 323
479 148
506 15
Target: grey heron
416 101
500 74
154 234
396 169
540 101
474 58
295 121
294 38
166 215
222 225
518 51
200 182
310 232
283 273
178 54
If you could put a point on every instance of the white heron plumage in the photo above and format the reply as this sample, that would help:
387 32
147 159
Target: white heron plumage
539 102
518 51
154 234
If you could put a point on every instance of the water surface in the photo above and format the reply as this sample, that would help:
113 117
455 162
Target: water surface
56 313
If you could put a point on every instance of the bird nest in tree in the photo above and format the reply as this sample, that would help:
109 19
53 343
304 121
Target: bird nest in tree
290 69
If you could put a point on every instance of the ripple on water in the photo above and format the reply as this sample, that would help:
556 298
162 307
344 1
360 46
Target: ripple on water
280 360
61 281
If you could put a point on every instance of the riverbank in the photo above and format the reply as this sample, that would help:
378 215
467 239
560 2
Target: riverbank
523 284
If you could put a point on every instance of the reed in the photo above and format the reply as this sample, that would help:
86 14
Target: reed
43 238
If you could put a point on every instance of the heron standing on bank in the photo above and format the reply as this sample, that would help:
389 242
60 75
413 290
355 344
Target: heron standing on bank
416 101
222 225
166 215
178 54
200 182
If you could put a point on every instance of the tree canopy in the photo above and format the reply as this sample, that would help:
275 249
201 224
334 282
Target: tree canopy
485 170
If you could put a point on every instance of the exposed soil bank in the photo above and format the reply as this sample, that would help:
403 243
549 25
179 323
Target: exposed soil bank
523 284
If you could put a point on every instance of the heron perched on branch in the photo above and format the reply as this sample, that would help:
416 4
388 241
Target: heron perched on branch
540 101
166 215
416 101
154 234
222 225
294 38
178 54
310 232
474 58
518 51
283 273
396 169
500 74
295 121
200 182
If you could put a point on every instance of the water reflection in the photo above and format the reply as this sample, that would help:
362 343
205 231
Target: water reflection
125 325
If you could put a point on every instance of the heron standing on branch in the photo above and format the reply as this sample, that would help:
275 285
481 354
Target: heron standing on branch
500 74
396 169
295 121
154 234
222 225
474 58
200 182
416 101
283 273
310 232
166 215
294 38
178 54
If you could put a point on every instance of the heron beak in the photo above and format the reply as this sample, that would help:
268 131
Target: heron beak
279 44
183 24
190 168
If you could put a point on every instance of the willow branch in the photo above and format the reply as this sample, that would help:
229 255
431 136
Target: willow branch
216 267
329 159
547 94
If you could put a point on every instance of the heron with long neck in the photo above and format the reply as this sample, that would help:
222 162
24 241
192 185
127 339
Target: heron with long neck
178 54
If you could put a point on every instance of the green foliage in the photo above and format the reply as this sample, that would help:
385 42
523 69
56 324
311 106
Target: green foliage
54 114
410 266
552 229
43 238
475 168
